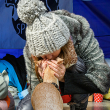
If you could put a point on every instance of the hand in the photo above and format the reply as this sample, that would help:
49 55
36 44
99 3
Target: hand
41 67
59 69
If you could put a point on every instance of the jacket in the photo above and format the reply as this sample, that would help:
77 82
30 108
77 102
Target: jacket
87 48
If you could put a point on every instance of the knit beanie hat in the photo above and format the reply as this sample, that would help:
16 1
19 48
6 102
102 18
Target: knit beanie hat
46 32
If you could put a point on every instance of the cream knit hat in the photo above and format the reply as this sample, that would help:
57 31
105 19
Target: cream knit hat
45 32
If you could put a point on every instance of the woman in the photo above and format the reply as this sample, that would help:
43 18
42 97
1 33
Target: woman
56 34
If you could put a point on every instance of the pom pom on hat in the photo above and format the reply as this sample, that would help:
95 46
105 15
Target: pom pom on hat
45 32
28 10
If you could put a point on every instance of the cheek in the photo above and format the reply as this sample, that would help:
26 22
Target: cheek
56 53
43 57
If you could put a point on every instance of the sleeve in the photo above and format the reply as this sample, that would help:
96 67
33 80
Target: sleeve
97 71
3 87
87 47
31 76
97 76
76 82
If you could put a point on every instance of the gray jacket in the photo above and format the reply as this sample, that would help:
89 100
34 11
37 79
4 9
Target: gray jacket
86 47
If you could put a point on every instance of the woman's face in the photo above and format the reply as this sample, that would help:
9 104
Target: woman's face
52 56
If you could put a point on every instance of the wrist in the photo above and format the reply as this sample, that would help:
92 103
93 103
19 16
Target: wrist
63 80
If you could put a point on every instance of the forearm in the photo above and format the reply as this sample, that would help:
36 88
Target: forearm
78 84
76 80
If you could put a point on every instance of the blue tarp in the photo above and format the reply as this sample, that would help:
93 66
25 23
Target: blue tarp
12 30
15 52
95 11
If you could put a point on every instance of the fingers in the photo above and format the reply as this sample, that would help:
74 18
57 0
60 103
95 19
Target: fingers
40 71
59 77
56 75
54 64
44 65
56 67
41 68
59 69
41 74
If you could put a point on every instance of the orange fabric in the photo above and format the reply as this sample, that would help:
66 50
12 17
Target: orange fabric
7 99
66 98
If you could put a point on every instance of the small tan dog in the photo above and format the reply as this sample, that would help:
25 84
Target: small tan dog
45 95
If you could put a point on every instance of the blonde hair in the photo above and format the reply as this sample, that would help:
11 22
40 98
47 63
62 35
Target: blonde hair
67 53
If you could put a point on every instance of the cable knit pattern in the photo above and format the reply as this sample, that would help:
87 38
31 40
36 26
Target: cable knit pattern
48 34
46 31
28 10
88 49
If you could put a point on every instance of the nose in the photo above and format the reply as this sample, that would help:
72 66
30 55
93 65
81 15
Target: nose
49 56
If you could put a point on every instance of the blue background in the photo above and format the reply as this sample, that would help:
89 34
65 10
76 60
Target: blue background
97 12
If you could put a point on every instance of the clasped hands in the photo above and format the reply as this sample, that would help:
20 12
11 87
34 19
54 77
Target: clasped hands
59 69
